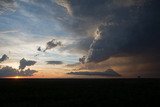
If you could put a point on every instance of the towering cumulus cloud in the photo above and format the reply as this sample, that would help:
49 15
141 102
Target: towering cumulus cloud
118 27
130 30
24 63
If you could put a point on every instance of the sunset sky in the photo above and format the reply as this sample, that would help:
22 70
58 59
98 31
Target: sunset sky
118 38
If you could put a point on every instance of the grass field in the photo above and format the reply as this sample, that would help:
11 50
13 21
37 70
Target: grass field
78 92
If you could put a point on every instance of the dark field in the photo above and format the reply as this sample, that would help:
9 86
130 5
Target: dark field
78 92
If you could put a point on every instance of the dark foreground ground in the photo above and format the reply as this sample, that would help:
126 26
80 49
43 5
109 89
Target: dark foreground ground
78 92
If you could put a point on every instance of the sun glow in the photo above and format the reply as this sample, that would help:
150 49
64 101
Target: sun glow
16 77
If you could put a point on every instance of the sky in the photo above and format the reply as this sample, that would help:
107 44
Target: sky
79 38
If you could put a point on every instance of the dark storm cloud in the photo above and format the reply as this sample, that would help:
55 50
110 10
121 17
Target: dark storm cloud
24 63
52 44
120 28
3 58
54 62
108 72
124 27
130 33
7 5
9 71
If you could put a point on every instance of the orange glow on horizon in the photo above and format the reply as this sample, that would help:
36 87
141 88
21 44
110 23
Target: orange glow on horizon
16 77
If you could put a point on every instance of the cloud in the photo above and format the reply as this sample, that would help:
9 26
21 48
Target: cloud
116 29
78 46
72 65
9 71
108 72
24 63
39 49
125 34
126 30
119 27
135 65
66 5
82 60
4 58
107 28
52 44
54 62
127 66
7 5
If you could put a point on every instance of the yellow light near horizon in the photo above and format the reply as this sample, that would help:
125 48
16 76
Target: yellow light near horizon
16 77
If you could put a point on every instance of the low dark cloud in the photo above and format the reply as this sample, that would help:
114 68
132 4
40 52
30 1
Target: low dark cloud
39 49
54 62
9 71
49 45
52 44
82 60
24 63
108 72
4 58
